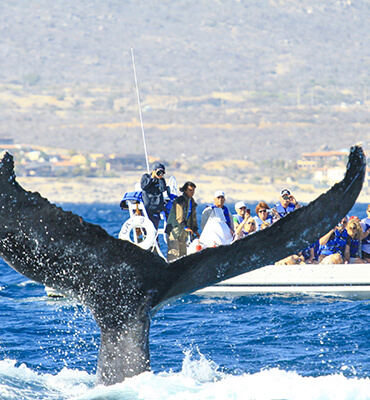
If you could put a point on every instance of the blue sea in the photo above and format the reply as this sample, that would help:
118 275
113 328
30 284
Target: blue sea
260 347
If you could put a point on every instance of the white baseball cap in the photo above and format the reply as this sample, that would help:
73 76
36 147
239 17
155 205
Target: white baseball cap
239 205
219 193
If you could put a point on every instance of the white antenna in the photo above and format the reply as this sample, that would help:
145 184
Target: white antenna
141 117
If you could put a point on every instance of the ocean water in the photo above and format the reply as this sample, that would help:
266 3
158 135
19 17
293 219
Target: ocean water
255 347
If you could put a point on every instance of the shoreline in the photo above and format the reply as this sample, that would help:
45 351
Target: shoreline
111 190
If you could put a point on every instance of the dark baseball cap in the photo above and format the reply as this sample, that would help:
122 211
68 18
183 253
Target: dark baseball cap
159 166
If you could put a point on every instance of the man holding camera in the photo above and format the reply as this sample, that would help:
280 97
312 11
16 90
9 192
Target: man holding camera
287 204
153 185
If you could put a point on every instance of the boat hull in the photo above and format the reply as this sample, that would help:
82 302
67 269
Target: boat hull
346 280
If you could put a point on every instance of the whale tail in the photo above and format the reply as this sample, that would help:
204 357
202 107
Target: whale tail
122 284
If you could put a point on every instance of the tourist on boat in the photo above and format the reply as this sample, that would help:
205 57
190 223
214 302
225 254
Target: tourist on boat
240 219
353 248
287 203
311 253
333 244
182 222
264 214
250 226
217 223
365 224
264 225
153 185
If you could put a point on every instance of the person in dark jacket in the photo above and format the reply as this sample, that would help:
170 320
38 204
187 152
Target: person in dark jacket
181 222
153 185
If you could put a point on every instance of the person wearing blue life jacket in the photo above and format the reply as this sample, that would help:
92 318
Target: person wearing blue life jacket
240 219
365 224
333 245
153 185
181 222
218 202
264 215
311 253
287 203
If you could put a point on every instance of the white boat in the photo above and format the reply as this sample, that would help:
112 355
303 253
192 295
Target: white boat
346 280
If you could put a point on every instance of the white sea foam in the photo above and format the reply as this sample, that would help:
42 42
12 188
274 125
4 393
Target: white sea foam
199 379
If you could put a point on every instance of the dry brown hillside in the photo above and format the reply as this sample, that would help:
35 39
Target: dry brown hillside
218 79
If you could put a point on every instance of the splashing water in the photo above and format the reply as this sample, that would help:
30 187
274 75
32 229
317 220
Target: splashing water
198 380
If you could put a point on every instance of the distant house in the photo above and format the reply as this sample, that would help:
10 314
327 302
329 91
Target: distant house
319 159
329 175
63 166
306 164
78 159
34 155
326 155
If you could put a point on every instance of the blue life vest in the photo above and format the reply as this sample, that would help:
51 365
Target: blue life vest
336 244
239 220
366 221
189 212
259 221
354 247
190 208
307 251
341 241
315 247
284 211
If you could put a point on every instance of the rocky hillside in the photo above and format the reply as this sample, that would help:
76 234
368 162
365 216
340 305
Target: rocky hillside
218 79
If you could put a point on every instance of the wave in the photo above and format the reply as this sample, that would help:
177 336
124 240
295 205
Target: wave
199 379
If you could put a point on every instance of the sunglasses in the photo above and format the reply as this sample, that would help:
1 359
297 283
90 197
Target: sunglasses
251 223
242 208
262 211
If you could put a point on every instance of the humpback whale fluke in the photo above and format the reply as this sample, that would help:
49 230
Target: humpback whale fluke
124 285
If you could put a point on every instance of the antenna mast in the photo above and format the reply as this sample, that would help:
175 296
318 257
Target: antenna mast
139 105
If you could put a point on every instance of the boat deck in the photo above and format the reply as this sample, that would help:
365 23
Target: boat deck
346 280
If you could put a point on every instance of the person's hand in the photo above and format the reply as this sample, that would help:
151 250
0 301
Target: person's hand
293 200
275 213
189 230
